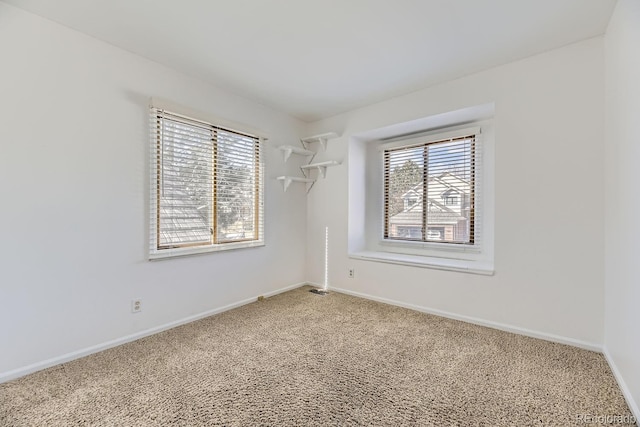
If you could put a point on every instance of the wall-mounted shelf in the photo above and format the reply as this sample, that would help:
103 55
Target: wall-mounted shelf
322 139
321 166
287 150
287 180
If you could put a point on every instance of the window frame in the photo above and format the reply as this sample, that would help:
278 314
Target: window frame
423 140
161 110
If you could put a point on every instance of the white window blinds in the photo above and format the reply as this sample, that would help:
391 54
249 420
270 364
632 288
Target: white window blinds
431 192
207 185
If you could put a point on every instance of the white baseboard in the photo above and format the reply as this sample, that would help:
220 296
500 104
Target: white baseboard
495 325
38 366
633 405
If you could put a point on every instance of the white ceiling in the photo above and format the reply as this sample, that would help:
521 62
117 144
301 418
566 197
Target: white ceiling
317 58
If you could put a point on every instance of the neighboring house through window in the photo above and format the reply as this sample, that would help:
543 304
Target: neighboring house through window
442 172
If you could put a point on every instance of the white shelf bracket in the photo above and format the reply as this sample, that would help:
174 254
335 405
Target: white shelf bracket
287 180
322 139
286 152
309 185
321 167
286 183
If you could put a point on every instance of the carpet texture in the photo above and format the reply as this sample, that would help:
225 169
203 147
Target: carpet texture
299 359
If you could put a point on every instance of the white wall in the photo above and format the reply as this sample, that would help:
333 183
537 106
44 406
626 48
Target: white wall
549 256
74 188
622 278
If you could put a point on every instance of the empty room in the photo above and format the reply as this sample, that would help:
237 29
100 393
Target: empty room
322 213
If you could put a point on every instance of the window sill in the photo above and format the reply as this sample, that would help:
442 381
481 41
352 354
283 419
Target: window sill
180 252
431 246
463 266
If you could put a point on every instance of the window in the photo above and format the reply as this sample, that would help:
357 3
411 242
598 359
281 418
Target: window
410 201
450 197
207 186
441 172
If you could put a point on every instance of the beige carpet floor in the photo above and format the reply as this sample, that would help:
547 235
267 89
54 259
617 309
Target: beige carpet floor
300 359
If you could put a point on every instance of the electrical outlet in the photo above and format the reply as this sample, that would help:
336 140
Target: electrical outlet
352 273
136 305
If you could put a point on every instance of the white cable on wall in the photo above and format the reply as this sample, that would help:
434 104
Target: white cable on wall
326 259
